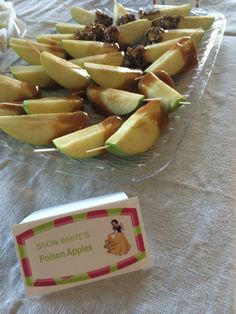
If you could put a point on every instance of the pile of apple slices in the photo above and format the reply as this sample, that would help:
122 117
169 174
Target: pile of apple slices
127 70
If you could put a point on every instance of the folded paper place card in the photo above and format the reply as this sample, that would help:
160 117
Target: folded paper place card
81 242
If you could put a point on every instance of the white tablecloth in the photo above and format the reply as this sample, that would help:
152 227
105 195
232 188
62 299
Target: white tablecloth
188 209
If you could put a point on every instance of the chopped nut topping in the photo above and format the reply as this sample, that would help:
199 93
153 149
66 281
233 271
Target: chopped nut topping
111 34
167 22
148 14
126 19
134 57
91 32
153 35
103 18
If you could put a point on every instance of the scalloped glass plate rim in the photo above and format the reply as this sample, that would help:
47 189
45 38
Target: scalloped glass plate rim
139 168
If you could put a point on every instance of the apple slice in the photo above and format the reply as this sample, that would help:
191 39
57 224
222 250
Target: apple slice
110 101
10 109
69 28
14 90
82 16
113 58
53 104
168 10
53 39
84 48
154 51
119 11
130 33
78 143
41 129
195 33
182 56
153 87
64 72
34 74
113 76
139 132
23 48
197 21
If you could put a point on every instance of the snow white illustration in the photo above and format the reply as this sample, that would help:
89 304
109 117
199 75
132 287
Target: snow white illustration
116 242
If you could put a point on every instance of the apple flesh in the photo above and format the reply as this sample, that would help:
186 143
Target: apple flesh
41 129
24 49
53 39
110 101
195 33
113 58
130 33
139 132
64 72
77 144
69 28
53 104
197 21
152 87
14 90
84 48
113 76
10 109
182 56
155 51
34 74
82 16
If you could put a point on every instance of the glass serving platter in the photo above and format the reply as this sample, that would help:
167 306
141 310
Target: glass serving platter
138 168
19 30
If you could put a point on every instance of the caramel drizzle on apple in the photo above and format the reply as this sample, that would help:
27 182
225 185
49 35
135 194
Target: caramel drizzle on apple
68 123
111 125
189 52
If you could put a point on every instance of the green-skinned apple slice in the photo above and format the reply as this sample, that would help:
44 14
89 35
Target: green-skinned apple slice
197 21
130 33
113 58
119 11
195 33
84 48
34 74
10 109
82 16
14 90
152 87
110 101
78 144
53 104
139 132
24 49
113 76
69 28
64 72
168 10
53 39
155 51
41 129
182 56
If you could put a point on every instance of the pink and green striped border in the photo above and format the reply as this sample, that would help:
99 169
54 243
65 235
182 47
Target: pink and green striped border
37 282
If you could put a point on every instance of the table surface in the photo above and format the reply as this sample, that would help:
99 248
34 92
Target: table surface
188 209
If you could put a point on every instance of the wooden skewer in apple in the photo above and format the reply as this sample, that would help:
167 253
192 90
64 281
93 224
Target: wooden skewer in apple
78 144
135 136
